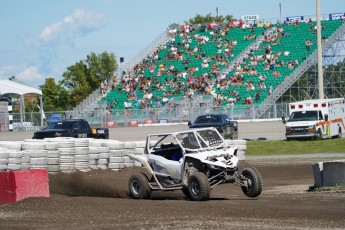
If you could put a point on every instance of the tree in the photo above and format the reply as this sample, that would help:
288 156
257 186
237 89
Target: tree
173 26
100 67
82 78
199 19
54 96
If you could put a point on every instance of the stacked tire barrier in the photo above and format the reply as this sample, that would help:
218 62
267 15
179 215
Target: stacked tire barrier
68 155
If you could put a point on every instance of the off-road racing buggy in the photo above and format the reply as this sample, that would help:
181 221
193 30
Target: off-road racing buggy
194 161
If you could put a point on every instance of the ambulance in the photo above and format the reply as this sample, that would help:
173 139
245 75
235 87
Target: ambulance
316 119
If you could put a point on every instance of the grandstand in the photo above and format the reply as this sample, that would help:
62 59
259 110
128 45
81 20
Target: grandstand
238 68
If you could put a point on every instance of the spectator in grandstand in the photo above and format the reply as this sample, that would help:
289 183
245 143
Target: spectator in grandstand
280 63
248 101
262 78
276 73
204 64
297 24
261 85
268 24
250 85
116 102
270 90
257 95
307 45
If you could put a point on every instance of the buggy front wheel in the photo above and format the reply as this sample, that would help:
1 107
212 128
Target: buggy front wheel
198 187
253 181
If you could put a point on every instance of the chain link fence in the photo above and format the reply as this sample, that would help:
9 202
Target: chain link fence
133 117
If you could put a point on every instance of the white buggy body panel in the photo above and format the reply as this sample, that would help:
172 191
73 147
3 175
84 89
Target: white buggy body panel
224 158
165 166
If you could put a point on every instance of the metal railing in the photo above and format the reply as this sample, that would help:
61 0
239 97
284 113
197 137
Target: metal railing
181 112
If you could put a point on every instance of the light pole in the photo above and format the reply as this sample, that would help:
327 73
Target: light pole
319 51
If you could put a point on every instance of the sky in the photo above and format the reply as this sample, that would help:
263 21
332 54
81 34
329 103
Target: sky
41 38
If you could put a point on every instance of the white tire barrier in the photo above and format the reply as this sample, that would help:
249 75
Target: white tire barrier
95 143
117 153
14 160
129 145
52 146
94 150
116 159
140 144
53 153
116 166
3 167
13 167
33 146
68 154
3 161
114 145
13 145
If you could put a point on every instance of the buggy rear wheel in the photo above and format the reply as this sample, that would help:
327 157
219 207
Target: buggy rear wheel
198 187
139 187
253 179
185 191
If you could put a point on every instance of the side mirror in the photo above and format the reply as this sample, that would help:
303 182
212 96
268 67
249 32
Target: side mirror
283 119
326 117
189 123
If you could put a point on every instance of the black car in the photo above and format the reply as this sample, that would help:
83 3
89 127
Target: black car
228 128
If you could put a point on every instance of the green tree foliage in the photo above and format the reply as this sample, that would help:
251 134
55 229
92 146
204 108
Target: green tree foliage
54 96
100 67
82 78
173 26
199 19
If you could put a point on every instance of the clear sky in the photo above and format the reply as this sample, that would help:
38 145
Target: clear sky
41 38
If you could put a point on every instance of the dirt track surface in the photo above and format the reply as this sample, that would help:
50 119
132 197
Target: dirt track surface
98 200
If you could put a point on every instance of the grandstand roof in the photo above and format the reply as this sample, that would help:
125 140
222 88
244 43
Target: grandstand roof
7 86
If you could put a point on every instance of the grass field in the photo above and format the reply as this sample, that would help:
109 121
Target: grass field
262 148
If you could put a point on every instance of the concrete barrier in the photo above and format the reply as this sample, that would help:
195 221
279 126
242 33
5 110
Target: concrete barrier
133 123
111 124
149 121
330 173
18 185
318 174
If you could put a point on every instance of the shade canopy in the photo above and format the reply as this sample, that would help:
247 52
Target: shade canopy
7 86
11 87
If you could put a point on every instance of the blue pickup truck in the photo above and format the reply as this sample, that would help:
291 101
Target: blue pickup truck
228 128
